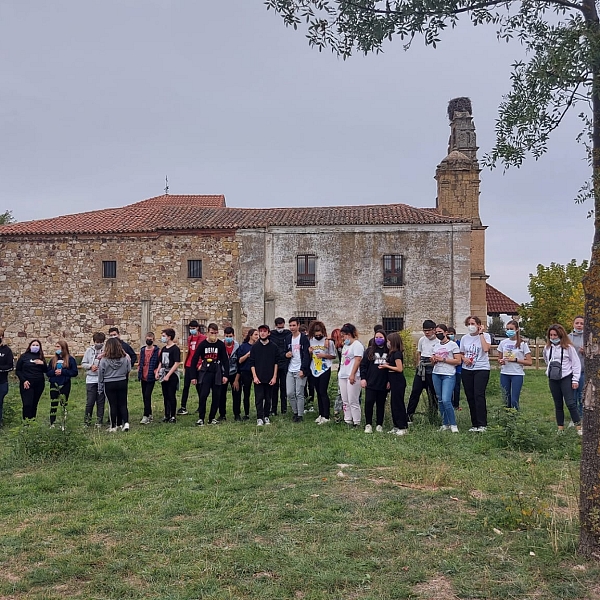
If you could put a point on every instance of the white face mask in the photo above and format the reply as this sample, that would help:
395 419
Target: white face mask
473 328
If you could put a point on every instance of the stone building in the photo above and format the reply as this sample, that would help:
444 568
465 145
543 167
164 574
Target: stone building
164 260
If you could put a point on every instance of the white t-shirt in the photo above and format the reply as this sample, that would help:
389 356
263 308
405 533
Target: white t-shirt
296 360
349 353
447 350
319 365
510 351
470 346
425 346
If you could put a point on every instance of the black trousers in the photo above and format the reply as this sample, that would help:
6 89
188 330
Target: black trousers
93 398
279 390
31 397
116 394
375 398
456 393
397 391
246 386
475 384
187 382
147 388
209 384
415 394
322 390
236 396
262 399
562 390
55 392
169 390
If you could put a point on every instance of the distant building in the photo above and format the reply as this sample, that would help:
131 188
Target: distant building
165 260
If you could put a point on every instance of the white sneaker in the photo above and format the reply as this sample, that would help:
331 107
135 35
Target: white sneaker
368 429
571 424
393 430
401 431
259 422
200 422
145 421
379 429
214 422
267 422
444 427
112 429
323 421
125 427
579 431
453 428
318 420
482 429
474 429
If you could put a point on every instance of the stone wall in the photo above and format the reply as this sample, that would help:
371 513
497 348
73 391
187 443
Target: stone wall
52 287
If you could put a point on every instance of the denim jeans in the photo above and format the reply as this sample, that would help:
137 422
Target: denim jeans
578 394
444 390
511 389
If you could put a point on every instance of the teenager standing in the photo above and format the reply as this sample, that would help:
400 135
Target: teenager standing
113 332
423 379
113 376
513 355
231 346
149 361
169 359
576 337
395 367
297 369
61 368
475 347
31 370
374 380
322 352
194 338
349 375
244 372
7 364
264 359
90 363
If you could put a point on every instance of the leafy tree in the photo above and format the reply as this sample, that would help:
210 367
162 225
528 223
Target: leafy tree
6 218
557 297
562 43
496 327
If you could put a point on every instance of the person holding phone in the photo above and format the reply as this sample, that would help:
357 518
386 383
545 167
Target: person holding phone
61 369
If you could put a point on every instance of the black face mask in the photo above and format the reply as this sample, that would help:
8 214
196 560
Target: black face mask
149 342
318 336
440 336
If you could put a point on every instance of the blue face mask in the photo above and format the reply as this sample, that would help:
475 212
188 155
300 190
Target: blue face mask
193 331
555 341
451 336
163 339
347 342
229 340
510 333
58 351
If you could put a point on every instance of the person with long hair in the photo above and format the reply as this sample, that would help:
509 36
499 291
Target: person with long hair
513 355
374 380
244 375
113 376
577 339
395 367
475 347
7 364
146 375
349 375
61 368
563 373
458 376
338 342
322 352
31 371
445 358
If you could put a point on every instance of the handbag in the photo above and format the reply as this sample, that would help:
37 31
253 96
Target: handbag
555 366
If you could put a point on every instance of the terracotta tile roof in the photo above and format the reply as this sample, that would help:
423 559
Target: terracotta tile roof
177 213
499 303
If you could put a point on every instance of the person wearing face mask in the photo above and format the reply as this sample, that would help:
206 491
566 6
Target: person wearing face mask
194 338
149 362
322 352
90 364
264 362
213 373
513 355
474 348
456 394
374 380
563 373
423 376
280 337
7 364
445 358
576 337
349 375
169 359
244 373
232 347
31 370
61 368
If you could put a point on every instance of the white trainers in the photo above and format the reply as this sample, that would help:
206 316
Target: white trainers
453 428
318 420
112 429
571 424
393 430
474 429
259 422
379 429
444 427
214 422
125 427
368 429
145 421
323 421
200 422
482 429
267 421
579 431
401 431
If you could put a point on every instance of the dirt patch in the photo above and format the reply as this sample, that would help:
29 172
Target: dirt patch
437 588
412 486
478 495
103 539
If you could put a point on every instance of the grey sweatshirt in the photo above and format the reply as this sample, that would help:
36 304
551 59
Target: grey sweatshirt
577 339
113 369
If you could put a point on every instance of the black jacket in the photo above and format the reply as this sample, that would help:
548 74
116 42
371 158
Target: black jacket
282 341
7 362
376 378
305 357
213 358
130 351
27 370
264 357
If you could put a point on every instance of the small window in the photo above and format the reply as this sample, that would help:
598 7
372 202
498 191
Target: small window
306 318
305 270
194 269
392 270
109 269
392 324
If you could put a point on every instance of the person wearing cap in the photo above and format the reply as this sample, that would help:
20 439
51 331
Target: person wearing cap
264 359
424 374
194 338
281 337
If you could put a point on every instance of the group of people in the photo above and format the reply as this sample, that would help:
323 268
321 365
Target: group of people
285 365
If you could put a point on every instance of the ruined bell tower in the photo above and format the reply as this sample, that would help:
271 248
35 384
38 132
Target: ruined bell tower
458 182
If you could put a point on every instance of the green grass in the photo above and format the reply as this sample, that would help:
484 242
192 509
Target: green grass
179 512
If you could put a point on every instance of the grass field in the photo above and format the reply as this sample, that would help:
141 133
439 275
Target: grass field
295 511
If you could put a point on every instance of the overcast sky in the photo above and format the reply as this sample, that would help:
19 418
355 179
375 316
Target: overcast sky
100 100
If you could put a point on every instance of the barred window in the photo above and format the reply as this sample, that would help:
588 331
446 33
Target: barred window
393 266
392 323
109 269
305 270
194 269
305 318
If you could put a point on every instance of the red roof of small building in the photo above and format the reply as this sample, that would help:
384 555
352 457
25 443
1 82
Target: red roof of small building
180 213
499 303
